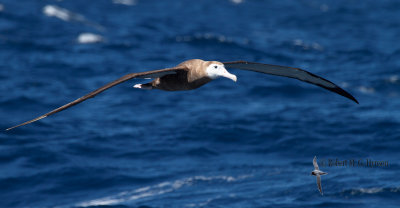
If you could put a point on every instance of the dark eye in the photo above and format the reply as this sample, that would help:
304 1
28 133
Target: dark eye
215 67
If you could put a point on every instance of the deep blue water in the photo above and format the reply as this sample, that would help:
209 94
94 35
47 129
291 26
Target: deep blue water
226 144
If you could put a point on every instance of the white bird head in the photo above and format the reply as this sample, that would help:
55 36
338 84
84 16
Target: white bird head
217 69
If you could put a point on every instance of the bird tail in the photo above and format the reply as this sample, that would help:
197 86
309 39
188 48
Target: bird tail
147 86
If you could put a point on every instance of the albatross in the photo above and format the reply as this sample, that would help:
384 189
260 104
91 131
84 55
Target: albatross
194 73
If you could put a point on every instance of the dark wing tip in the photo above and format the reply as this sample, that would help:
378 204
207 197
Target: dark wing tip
8 129
335 89
27 122
339 91
342 92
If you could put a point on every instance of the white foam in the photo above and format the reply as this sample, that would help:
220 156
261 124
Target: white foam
155 190
202 204
87 38
58 12
298 42
393 79
205 36
66 15
125 2
237 1
366 90
307 46
317 46
324 7
373 190
366 191
344 85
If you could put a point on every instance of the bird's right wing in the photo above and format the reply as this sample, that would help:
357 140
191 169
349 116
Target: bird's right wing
319 184
148 74
315 163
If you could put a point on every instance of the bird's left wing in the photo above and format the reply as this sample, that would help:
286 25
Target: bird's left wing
319 184
290 72
147 74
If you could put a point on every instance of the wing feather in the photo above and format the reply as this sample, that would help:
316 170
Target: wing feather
319 184
315 163
290 72
148 74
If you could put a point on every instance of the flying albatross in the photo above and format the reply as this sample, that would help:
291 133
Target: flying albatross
195 73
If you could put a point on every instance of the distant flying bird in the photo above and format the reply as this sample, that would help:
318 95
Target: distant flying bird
195 73
318 173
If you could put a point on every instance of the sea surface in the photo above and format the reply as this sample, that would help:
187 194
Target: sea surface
226 144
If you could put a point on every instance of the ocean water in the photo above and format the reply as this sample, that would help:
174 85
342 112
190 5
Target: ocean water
226 144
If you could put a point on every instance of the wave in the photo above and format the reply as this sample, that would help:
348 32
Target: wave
155 190
371 191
